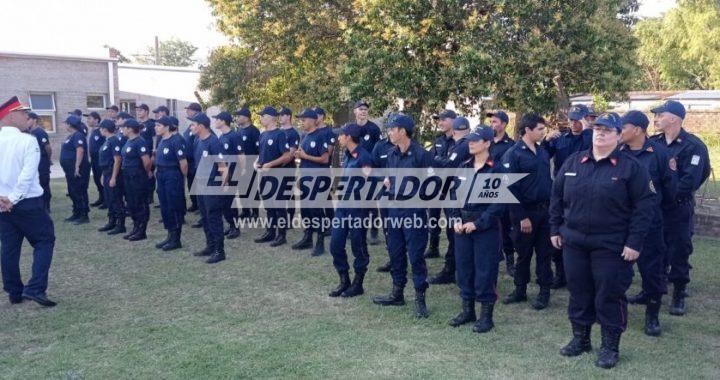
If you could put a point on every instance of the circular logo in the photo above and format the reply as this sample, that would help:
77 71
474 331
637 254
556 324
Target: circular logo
205 153
97 138
180 152
270 142
312 144
367 137
244 138
128 149
166 151
44 140
227 146
80 142
332 140
239 147
142 149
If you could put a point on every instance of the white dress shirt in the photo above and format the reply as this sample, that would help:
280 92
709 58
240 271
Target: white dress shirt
19 159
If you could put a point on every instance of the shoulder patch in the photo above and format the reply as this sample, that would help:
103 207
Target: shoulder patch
695 160
672 163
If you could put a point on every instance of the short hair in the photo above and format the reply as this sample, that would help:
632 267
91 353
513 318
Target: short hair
530 121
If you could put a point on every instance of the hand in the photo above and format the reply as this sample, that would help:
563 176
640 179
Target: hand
469 227
77 173
557 241
386 183
5 204
299 154
458 227
150 175
552 135
630 254
112 182
526 226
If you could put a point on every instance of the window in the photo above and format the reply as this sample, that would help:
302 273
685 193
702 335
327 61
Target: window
171 104
43 104
128 106
95 101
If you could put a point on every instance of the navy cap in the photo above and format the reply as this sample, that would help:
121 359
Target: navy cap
224 116
500 115
107 124
243 112
482 132
635 118
446 114
194 107
610 120
174 121
285 111
143 106
125 115
165 120
308 113
270 111
32 115
352 130
401 121
591 111
461 124
132 123
671 106
162 109
361 103
201 118
578 112
319 111
114 108
93 114
73 121
76 112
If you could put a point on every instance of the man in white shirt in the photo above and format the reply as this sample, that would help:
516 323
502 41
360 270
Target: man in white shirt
22 210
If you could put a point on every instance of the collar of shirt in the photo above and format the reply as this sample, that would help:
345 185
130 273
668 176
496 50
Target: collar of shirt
9 129
613 157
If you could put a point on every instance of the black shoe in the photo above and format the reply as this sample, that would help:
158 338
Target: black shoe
485 322
421 310
207 251
373 240
304 243
610 350
677 306
510 268
140 234
72 218
319 249
234 234
445 276
198 224
342 286
279 240
132 232
82 219
162 243
395 298
467 314
193 208
542 300
652 321
558 281
638 299
40 299
216 257
580 342
15 299
384 268
119 227
174 242
518 295
227 231
432 252
96 203
268 236
356 288
108 226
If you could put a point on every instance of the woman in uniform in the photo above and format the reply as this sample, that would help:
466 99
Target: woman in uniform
172 167
136 169
75 164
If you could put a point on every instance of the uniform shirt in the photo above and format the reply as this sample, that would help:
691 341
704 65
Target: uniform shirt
357 159
315 144
189 138
69 147
371 136
457 154
610 197
489 213
111 148
654 158
441 145
95 141
43 141
20 156
693 162
230 143
415 157
249 140
498 149
380 153
209 147
534 188
132 153
147 132
292 136
170 152
566 144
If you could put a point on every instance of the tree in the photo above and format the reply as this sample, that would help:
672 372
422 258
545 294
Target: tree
173 52
121 58
682 50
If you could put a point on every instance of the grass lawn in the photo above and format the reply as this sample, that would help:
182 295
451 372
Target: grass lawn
129 311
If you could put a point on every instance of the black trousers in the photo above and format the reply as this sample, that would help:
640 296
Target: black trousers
136 189
190 180
211 209
535 243
114 195
97 177
45 184
77 187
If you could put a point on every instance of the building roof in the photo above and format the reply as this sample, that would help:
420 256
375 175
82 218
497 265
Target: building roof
10 54
160 81
697 95
632 95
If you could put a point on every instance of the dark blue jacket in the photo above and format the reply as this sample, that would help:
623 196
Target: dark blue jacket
533 189
692 161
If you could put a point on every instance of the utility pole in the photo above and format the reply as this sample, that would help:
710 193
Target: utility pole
157 50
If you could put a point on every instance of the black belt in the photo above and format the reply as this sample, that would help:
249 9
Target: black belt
167 168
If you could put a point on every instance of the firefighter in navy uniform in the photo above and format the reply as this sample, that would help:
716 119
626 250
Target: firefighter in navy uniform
230 142
75 164
371 135
147 132
654 157
500 144
136 172
327 131
249 146
45 156
690 155
439 149
478 239
191 110
116 180
602 207
172 167
112 187
95 141
379 157
293 140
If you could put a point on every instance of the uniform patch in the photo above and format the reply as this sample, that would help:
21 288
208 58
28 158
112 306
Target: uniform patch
507 165
438 145
673 164
227 146
244 138
142 149
97 138
367 137
570 174
220 156
44 140
332 140
453 156
180 152
205 153
652 188
239 147
312 144
324 145
80 142
128 149
104 147
117 148
270 142
166 151
695 160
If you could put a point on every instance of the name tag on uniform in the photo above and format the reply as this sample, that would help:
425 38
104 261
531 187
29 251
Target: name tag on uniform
383 156
695 160
570 174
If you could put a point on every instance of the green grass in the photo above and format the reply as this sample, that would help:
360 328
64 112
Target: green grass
129 311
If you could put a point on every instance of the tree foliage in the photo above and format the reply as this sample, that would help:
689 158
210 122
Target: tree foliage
173 52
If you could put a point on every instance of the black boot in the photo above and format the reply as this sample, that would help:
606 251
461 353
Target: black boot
510 263
433 250
268 236
467 314
610 350
445 276
580 342
395 298
119 227
319 249
162 243
97 203
373 237
141 233
132 232
356 288
485 322
306 241
559 281
638 299
518 295
421 310
217 256
677 307
207 251
384 268
233 234
174 242
279 240
108 226
542 300
198 224
342 286
81 219
652 322
72 217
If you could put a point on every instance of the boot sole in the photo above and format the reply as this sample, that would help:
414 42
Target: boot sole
389 303
574 354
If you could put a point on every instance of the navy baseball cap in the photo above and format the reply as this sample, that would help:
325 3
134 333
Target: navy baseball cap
635 118
162 109
201 118
76 112
308 113
610 120
401 121
224 116
125 115
352 130
32 115
319 111
73 121
194 107
107 124
446 114
671 106
174 121
591 111
482 132
243 112
461 124
361 103
578 112
270 111
143 106
114 108
132 123
500 115
93 114
285 111
165 120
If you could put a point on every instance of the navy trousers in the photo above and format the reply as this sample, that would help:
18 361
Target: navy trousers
350 224
171 194
651 262
97 176
678 224
136 188
407 241
45 184
113 195
77 187
211 208
538 243
27 220
190 180
478 255
229 212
